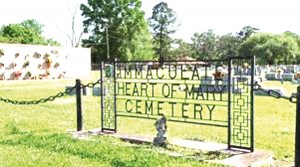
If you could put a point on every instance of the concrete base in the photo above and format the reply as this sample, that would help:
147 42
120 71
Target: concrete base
256 158
204 146
238 158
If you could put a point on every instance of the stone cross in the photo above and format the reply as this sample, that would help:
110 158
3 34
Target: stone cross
161 127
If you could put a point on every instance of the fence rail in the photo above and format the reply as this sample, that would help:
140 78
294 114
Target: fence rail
49 98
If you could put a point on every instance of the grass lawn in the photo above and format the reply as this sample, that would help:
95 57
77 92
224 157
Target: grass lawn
275 122
37 135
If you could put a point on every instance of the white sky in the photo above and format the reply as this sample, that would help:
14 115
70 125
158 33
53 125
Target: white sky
223 16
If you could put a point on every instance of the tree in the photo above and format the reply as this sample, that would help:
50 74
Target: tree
33 25
290 48
181 48
27 32
73 37
116 26
272 49
141 47
296 37
208 45
162 23
204 45
16 33
228 46
246 32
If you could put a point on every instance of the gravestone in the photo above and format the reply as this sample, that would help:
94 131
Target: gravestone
206 79
96 91
270 76
288 77
161 127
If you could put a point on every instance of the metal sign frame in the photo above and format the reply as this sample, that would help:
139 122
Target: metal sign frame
190 90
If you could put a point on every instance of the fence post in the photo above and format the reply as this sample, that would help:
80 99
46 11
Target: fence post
297 134
102 67
79 105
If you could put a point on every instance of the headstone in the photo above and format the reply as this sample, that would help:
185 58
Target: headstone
291 69
206 80
224 82
288 77
97 91
161 127
258 70
270 76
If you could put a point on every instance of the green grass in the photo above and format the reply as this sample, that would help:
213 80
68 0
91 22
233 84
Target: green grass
37 135
275 122
61 150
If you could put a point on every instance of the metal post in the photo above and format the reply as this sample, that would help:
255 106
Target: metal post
79 105
229 102
115 95
102 94
107 43
297 133
253 71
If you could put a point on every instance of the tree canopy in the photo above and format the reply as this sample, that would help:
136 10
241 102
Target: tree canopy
208 45
272 48
118 30
267 47
27 32
204 45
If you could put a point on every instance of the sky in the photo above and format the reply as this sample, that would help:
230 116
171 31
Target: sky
222 16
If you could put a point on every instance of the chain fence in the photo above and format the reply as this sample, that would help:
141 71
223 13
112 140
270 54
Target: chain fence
91 84
275 94
257 87
50 98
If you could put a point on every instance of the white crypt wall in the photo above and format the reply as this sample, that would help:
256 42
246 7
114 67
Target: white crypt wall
20 62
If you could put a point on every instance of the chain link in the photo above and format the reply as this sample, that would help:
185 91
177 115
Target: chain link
50 98
91 85
275 94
